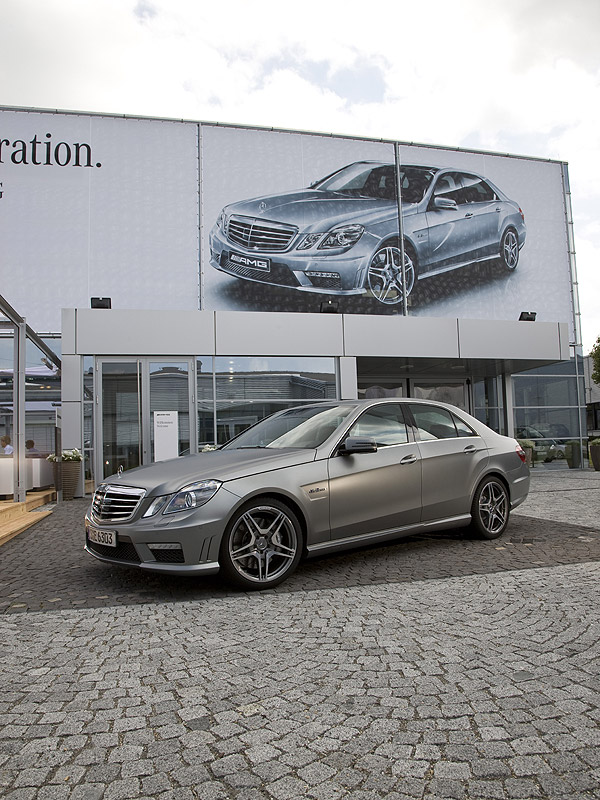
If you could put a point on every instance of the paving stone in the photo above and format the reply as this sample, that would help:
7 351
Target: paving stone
437 667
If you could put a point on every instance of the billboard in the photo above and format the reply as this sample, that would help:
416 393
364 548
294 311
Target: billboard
292 219
96 206
159 214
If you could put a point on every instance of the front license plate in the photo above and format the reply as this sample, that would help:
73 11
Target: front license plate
108 538
250 262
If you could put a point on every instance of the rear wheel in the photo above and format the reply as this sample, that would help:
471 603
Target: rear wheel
262 545
509 249
490 509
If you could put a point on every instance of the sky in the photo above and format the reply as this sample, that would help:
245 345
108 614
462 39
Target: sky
519 77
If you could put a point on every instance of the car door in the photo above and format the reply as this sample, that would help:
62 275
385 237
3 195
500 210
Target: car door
371 492
453 458
481 209
448 225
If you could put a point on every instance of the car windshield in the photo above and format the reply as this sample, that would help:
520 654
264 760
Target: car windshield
297 427
379 181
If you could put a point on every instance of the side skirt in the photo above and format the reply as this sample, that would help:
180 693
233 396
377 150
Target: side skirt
349 542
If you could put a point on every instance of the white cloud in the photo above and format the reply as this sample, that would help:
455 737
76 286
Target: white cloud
521 76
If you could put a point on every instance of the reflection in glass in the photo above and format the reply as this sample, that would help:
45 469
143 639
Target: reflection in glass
121 416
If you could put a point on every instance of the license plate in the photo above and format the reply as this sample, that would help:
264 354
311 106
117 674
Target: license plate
108 538
250 262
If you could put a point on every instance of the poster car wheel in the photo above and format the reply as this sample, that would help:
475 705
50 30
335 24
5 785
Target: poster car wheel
509 249
385 274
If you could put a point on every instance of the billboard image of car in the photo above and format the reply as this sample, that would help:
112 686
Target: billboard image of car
341 235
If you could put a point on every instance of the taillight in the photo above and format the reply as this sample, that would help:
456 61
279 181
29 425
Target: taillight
521 453
522 215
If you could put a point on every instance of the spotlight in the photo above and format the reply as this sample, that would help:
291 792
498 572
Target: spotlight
100 302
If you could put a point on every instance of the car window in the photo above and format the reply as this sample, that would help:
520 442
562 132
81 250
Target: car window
384 423
476 190
449 186
433 422
462 428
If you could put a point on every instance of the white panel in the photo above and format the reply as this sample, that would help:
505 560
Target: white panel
509 340
245 333
68 331
71 382
116 332
348 379
400 336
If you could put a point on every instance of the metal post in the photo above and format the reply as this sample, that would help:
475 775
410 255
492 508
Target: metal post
400 227
19 464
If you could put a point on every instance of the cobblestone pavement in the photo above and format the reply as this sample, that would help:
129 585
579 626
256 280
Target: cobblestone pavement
437 667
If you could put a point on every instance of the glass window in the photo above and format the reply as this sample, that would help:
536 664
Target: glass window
258 378
434 423
533 390
383 423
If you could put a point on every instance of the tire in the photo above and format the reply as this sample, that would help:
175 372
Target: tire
384 276
509 249
262 544
490 509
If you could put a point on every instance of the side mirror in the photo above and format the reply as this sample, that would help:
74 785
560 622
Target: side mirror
444 203
358 444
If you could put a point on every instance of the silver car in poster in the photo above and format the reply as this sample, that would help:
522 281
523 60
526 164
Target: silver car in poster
309 480
341 235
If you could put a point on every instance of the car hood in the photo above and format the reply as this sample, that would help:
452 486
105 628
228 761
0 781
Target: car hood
314 210
166 477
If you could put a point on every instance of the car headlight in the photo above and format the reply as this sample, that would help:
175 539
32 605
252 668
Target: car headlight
309 241
344 236
222 221
189 497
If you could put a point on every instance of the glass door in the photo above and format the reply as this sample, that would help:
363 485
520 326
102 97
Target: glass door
145 412
121 416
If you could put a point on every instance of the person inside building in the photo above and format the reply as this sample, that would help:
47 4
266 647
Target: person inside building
31 449
6 446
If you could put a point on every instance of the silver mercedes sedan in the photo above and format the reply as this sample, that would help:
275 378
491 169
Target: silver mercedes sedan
312 479
341 235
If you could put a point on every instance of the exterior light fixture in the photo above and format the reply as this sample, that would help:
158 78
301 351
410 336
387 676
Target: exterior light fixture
100 302
527 316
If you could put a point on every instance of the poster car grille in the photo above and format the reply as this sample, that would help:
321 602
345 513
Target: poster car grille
278 275
256 234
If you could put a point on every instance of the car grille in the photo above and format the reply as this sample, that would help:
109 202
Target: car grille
325 282
256 234
116 503
277 275
171 554
124 551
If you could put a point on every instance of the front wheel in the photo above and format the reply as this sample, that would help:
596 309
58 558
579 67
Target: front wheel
262 545
384 278
509 250
490 509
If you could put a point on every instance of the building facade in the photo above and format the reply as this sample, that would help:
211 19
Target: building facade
233 271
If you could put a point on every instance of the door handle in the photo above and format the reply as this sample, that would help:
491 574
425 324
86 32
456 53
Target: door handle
470 449
409 459
470 214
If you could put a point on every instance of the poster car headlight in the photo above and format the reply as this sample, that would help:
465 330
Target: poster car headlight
347 225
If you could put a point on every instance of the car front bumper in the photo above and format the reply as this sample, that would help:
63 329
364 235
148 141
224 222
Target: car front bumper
333 273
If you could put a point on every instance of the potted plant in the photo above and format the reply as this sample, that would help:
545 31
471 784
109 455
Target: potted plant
68 467
594 447
529 448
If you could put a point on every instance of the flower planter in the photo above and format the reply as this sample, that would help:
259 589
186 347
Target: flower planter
71 470
595 456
